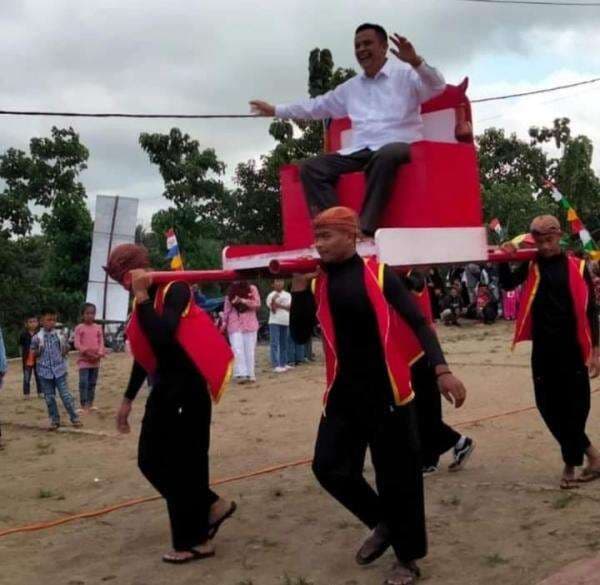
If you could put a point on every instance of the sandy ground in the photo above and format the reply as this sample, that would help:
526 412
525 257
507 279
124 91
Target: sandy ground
501 520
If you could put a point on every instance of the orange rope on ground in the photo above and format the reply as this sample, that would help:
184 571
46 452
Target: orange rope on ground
129 503
259 472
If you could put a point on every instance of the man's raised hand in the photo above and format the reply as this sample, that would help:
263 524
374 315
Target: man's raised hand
301 282
261 108
404 50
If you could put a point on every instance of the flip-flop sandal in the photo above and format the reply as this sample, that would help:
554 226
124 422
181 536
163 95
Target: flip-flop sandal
214 528
196 556
569 484
415 575
588 475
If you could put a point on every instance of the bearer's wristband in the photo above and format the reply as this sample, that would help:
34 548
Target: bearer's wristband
445 373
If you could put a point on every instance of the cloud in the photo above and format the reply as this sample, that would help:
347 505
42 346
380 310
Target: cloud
213 56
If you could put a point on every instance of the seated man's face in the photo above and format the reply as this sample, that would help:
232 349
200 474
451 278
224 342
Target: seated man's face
370 51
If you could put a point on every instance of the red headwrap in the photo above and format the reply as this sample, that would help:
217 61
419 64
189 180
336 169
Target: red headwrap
338 218
124 258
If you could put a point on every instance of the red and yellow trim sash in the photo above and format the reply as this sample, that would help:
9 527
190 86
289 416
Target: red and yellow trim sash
198 337
579 293
400 346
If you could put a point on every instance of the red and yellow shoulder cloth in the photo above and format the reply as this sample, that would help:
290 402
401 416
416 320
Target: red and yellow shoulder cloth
401 346
199 338
579 293
424 301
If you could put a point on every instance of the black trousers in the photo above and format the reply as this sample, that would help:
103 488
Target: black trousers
562 395
392 438
28 372
173 456
436 436
319 176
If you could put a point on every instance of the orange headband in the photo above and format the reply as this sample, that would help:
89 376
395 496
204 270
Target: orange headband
338 218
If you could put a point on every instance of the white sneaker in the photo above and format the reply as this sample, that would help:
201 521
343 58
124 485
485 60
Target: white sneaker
279 370
287 368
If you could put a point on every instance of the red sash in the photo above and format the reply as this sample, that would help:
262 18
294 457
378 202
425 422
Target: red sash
199 338
400 345
424 301
579 293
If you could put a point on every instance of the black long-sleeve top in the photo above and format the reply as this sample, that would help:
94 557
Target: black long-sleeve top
554 329
362 369
175 371
24 344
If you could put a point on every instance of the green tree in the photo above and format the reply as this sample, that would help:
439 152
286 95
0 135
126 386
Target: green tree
192 179
48 173
52 268
509 160
572 171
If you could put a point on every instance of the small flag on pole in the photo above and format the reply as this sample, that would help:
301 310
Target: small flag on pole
173 250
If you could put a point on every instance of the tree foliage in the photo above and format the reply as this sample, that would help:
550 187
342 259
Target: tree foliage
51 268
513 172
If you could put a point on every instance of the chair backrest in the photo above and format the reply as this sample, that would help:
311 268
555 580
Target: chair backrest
446 118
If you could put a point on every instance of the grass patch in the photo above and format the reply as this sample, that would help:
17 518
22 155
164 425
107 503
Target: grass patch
563 501
287 580
453 501
495 560
44 494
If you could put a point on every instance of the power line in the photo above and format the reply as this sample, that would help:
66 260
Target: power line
237 116
108 115
533 92
534 2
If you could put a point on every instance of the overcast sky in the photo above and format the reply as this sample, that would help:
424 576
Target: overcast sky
212 56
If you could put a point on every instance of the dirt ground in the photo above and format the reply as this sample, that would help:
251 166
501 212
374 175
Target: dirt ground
501 520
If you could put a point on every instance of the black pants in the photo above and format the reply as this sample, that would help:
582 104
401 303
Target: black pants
28 372
436 436
319 176
173 456
392 438
562 395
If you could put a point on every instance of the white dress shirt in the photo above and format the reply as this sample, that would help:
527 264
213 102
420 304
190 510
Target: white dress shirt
383 109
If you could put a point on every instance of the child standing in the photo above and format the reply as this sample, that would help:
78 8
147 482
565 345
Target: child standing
51 367
32 326
89 341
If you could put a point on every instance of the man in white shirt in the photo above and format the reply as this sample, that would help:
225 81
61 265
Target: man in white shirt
279 302
384 105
